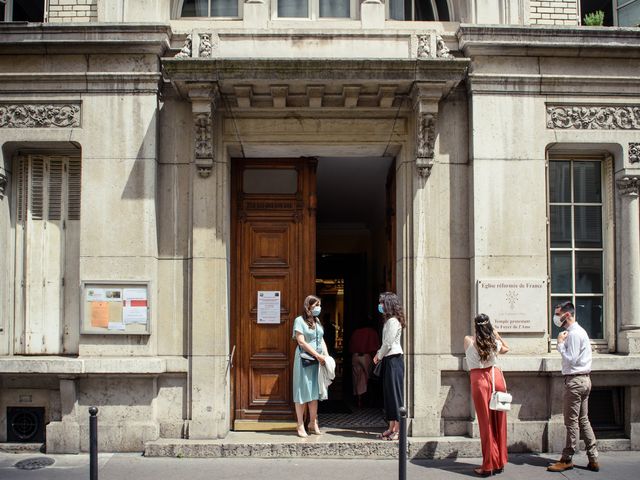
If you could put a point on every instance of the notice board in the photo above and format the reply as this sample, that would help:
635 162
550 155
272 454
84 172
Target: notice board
115 308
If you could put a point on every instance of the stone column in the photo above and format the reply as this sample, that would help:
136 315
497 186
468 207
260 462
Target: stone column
422 346
208 335
64 436
629 263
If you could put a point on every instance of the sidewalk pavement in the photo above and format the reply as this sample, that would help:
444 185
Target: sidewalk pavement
614 466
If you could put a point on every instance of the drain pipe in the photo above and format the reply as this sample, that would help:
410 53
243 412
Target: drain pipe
402 445
93 443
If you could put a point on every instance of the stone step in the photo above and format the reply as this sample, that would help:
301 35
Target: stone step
330 445
8 447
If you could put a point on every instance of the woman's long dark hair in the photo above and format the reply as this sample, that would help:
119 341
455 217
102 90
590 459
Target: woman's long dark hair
309 303
392 308
485 337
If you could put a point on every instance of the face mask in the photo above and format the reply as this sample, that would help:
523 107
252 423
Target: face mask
557 320
315 311
380 308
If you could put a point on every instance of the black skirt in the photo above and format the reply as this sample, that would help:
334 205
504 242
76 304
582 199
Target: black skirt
393 385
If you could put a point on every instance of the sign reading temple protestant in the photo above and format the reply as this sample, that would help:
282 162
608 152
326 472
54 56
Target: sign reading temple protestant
514 305
268 306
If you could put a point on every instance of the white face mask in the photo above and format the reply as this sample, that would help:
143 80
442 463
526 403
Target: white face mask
315 311
557 320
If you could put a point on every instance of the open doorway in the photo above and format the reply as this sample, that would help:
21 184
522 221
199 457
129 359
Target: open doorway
354 263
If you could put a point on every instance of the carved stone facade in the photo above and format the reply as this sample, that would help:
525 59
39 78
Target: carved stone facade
594 117
634 152
628 185
39 115
426 136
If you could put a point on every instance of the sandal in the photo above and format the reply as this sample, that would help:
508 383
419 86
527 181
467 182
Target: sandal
482 473
392 436
385 434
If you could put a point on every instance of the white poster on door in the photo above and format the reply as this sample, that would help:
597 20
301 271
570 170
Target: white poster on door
268 307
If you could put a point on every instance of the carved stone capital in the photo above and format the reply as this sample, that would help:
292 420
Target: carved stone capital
39 115
628 186
593 117
634 152
203 102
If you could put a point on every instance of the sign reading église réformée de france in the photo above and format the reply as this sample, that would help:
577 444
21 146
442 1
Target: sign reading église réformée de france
514 305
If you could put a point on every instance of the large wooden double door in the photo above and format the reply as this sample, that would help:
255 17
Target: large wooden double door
272 250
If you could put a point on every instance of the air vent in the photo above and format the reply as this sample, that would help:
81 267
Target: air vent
25 424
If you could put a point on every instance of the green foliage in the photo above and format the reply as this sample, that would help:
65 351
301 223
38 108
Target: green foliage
594 19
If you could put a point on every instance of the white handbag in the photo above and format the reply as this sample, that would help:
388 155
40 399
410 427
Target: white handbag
500 401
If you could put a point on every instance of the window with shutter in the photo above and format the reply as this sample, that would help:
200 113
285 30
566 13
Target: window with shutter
47 252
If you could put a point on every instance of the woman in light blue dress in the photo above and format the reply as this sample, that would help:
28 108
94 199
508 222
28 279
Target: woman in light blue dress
308 332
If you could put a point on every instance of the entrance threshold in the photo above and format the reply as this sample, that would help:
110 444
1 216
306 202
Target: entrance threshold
334 443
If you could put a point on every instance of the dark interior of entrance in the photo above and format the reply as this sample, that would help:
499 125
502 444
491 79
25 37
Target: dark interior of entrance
353 265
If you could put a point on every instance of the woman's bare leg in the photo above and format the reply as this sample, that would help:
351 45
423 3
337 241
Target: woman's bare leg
300 408
313 417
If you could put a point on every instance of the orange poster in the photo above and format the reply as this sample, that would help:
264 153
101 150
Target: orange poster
100 314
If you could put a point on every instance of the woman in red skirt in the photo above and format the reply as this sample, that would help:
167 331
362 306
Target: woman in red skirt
481 351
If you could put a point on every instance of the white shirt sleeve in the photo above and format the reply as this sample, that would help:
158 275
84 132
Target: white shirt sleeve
389 336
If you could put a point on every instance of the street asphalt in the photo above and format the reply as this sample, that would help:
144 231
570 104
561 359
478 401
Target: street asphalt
614 466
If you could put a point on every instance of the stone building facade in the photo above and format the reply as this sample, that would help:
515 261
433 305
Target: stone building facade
163 161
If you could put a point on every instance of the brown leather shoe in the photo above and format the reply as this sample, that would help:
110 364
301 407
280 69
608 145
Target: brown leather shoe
561 465
593 466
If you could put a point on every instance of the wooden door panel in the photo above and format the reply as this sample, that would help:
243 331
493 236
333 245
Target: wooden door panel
270 385
273 249
270 245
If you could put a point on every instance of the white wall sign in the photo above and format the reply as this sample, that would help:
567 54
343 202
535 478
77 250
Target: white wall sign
268 307
514 305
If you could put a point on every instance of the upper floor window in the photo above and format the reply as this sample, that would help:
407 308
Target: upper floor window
314 9
621 13
21 10
419 10
580 241
211 8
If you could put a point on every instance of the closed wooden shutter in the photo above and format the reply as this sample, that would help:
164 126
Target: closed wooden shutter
47 245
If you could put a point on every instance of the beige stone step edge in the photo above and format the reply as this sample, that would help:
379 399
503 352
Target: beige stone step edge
418 448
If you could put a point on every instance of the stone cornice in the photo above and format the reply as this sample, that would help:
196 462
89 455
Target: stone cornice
574 41
86 38
142 82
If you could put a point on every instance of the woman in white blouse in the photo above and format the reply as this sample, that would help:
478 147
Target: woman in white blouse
481 351
390 354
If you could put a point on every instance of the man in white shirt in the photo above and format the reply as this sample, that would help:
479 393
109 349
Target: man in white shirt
575 348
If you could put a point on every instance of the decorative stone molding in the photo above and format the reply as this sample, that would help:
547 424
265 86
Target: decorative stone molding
185 51
634 152
628 186
426 137
39 115
203 101
442 51
424 46
206 49
3 183
594 117
425 98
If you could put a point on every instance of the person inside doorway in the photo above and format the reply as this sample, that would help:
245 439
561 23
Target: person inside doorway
310 354
391 356
363 344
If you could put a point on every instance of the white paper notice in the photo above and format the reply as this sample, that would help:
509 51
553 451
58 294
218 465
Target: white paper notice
268 307
115 326
135 308
96 294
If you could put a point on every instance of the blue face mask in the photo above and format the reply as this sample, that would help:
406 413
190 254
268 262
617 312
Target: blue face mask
315 311
380 308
